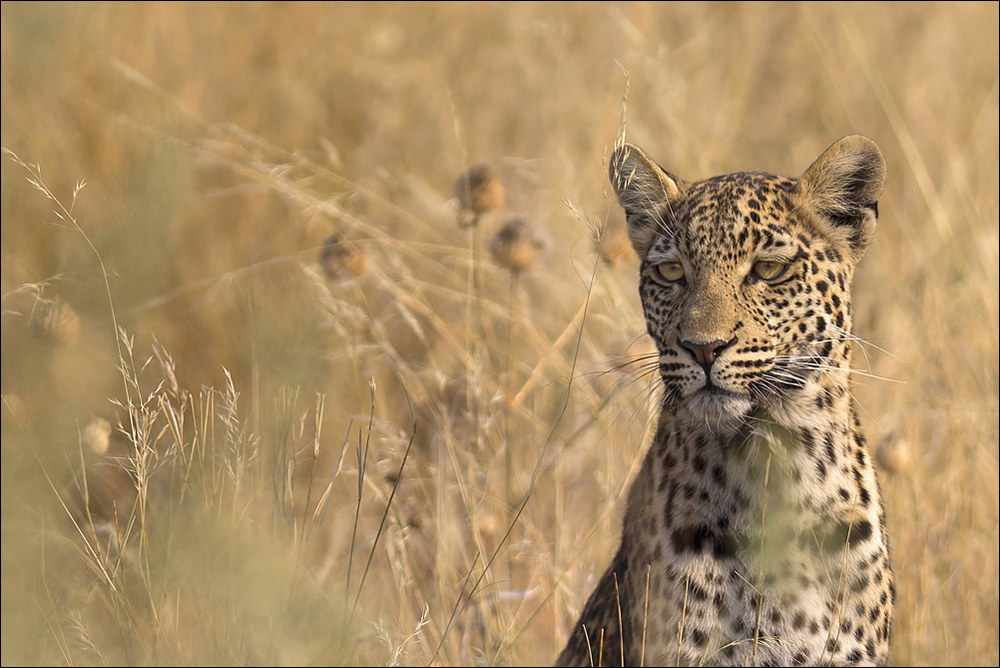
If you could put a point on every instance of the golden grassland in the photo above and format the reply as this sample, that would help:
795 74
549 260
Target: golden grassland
226 443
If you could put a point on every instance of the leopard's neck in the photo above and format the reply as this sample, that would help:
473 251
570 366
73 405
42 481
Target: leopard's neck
804 457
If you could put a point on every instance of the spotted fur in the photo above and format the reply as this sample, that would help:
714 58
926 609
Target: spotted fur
754 533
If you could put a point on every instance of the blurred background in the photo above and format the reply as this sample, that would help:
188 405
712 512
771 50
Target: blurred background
280 387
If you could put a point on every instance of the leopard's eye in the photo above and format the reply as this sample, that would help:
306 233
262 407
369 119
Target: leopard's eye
769 270
670 271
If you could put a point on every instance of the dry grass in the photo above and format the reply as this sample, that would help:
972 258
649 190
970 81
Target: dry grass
293 514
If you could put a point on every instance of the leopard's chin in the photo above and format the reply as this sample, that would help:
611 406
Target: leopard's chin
719 408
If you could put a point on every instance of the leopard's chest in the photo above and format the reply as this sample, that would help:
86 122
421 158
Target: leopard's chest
750 567
706 608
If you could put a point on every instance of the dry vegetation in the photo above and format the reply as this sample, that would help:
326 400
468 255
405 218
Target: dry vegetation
266 401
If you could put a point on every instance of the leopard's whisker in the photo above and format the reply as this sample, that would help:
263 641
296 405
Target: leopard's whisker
808 363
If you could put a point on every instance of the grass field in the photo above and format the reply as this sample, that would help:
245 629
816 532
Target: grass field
223 444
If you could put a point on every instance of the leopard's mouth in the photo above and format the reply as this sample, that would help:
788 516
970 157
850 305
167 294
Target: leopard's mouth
718 404
711 388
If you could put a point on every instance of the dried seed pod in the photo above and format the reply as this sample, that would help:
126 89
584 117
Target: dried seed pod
110 491
478 191
894 454
515 246
55 322
487 523
612 243
342 259
96 436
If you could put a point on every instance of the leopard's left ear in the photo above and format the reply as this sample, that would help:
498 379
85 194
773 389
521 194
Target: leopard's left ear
843 186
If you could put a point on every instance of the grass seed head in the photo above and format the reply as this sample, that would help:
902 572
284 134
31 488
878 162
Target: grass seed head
56 323
515 246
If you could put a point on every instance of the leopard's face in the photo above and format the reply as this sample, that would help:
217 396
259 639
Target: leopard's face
744 302
745 278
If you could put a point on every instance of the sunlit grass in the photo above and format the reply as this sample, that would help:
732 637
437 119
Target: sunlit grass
418 455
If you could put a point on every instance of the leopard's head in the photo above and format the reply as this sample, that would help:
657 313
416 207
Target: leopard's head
745 278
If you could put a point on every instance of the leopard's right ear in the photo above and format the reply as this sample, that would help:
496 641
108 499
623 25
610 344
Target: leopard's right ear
646 192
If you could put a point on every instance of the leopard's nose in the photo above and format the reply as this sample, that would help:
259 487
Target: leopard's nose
705 354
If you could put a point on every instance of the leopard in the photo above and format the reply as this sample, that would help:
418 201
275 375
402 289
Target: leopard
754 532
